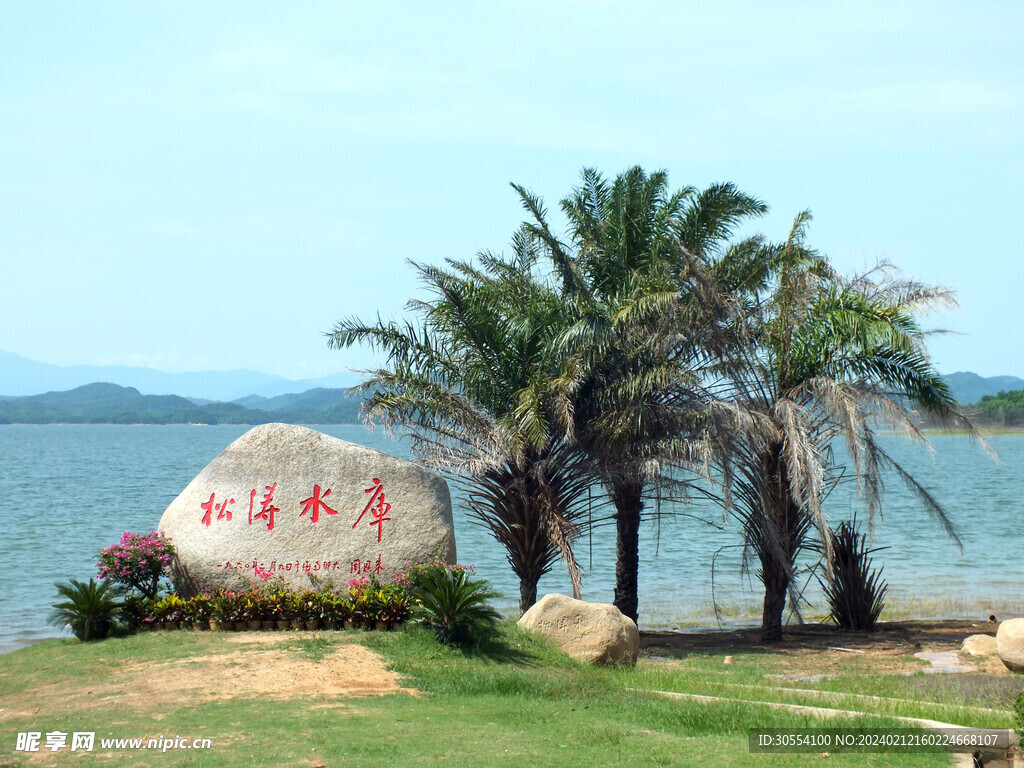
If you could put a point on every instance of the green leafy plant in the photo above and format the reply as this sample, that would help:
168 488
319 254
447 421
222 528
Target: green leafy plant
228 606
1018 715
395 608
854 590
342 609
310 605
199 608
138 562
136 611
90 609
293 606
169 608
253 606
362 594
276 606
453 605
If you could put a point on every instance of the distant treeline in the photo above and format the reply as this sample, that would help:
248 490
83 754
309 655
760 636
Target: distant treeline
1003 410
103 403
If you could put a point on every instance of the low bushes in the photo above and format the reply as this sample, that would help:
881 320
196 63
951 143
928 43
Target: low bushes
441 596
364 603
452 605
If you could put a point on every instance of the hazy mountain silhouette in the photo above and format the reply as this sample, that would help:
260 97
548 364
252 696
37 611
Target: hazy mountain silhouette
20 376
106 403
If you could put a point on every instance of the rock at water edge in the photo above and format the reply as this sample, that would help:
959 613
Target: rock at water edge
979 645
1010 644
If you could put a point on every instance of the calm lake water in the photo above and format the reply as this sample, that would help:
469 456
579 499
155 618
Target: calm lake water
68 490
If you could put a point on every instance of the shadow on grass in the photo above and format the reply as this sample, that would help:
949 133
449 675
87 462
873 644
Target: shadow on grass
500 650
509 646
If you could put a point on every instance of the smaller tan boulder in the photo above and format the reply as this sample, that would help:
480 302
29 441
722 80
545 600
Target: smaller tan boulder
596 633
979 645
1010 644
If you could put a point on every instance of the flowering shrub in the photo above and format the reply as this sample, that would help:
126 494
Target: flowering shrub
138 561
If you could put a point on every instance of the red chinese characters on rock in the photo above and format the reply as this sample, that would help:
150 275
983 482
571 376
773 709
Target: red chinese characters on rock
367 566
314 503
267 509
210 506
377 506
380 512
277 568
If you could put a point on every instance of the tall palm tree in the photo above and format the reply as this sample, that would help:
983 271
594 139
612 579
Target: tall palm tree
474 385
643 333
821 357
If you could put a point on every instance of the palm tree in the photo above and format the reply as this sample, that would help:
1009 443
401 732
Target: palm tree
644 333
820 357
473 385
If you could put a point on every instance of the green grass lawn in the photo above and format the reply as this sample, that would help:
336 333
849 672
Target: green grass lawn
516 703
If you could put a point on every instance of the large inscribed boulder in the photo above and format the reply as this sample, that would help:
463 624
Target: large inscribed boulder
597 633
1010 644
291 502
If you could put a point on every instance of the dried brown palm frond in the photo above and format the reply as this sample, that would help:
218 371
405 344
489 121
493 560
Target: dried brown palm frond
825 357
477 389
536 510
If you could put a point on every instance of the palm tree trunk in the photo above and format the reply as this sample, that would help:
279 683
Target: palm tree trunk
780 538
628 499
776 577
527 592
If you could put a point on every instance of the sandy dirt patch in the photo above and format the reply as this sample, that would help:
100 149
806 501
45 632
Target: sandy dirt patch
260 665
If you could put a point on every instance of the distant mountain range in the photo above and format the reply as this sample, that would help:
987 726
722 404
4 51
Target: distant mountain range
20 376
114 394
968 388
105 403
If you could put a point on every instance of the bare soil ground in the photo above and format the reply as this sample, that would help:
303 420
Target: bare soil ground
263 664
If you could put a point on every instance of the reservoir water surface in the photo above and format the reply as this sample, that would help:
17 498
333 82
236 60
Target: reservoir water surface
68 490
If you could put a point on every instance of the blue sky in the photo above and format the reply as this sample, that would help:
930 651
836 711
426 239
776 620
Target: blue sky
195 186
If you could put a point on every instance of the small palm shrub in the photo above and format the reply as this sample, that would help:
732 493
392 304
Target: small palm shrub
453 605
90 610
854 590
